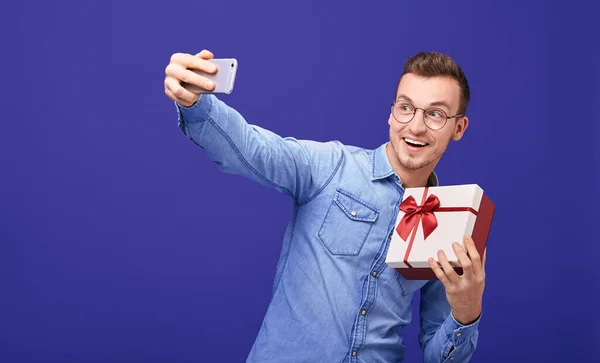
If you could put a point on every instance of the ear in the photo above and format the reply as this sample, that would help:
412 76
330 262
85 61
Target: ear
460 128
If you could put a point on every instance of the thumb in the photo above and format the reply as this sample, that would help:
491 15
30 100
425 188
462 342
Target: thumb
205 54
484 256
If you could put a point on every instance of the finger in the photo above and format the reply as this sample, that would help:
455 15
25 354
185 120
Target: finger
484 257
170 94
180 101
189 77
473 253
189 61
448 269
463 259
179 93
437 270
205 54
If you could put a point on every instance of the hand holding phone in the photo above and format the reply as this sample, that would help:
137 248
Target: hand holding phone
188 76
223 78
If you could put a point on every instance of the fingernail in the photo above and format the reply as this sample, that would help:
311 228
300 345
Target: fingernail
208 84
455 244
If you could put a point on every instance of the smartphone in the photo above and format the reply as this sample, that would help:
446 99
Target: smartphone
224 78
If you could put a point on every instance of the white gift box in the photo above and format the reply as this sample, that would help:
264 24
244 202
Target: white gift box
432 218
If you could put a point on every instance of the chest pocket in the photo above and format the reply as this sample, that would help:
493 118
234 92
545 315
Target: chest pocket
347 224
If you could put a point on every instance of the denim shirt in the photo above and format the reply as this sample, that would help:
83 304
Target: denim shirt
334 298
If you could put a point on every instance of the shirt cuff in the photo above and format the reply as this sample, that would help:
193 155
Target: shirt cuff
459 333
198 112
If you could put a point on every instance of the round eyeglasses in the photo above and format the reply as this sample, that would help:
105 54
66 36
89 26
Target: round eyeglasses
434 118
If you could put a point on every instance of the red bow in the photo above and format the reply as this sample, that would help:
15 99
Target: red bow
414 213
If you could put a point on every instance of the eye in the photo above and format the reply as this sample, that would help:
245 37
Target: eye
436 114
405 107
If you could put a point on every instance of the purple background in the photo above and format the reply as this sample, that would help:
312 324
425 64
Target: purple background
120 242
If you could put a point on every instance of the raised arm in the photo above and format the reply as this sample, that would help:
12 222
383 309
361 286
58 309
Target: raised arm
299 168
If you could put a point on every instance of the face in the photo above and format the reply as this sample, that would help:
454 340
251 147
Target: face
413 145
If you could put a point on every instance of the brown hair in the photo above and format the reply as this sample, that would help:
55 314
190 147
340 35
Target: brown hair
433 64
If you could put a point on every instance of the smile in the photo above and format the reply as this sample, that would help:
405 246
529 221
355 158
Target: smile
414 143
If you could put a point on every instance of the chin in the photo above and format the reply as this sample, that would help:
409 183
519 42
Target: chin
411 163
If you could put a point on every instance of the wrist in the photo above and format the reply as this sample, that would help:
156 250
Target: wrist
468 317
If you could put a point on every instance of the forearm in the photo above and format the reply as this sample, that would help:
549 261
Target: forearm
452 342
236 147
298 168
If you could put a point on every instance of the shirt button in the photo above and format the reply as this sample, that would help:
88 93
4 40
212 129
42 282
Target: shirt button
364 312
374 273
458 334
354 354
353 213
391 235
451 358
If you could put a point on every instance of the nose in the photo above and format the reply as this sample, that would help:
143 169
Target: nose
417 124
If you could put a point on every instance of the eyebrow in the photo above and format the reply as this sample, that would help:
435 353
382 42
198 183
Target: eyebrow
436 103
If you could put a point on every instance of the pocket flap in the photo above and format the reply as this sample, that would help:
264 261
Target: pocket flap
355 208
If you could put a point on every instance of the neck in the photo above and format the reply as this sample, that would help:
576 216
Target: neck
410 178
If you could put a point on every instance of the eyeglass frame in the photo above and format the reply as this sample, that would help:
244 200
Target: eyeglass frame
424 115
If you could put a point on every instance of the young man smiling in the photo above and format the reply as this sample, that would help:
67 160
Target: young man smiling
334 298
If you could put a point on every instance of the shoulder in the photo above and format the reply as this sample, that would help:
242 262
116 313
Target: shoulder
334 147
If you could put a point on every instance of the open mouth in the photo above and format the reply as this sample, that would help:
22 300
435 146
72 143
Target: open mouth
414 143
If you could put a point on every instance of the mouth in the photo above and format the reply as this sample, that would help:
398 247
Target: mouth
414 143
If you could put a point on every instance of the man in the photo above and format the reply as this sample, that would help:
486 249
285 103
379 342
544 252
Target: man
334 298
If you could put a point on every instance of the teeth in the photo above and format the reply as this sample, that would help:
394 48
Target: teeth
414 141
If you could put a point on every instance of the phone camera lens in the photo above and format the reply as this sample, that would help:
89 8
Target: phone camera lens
231 65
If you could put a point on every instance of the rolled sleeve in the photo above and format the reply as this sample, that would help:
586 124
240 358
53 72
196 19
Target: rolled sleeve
461 340
442 338
198 112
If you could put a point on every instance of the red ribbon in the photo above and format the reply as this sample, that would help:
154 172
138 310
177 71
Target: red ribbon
414 213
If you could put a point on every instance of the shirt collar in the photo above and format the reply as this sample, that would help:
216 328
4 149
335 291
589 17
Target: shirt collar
383 169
